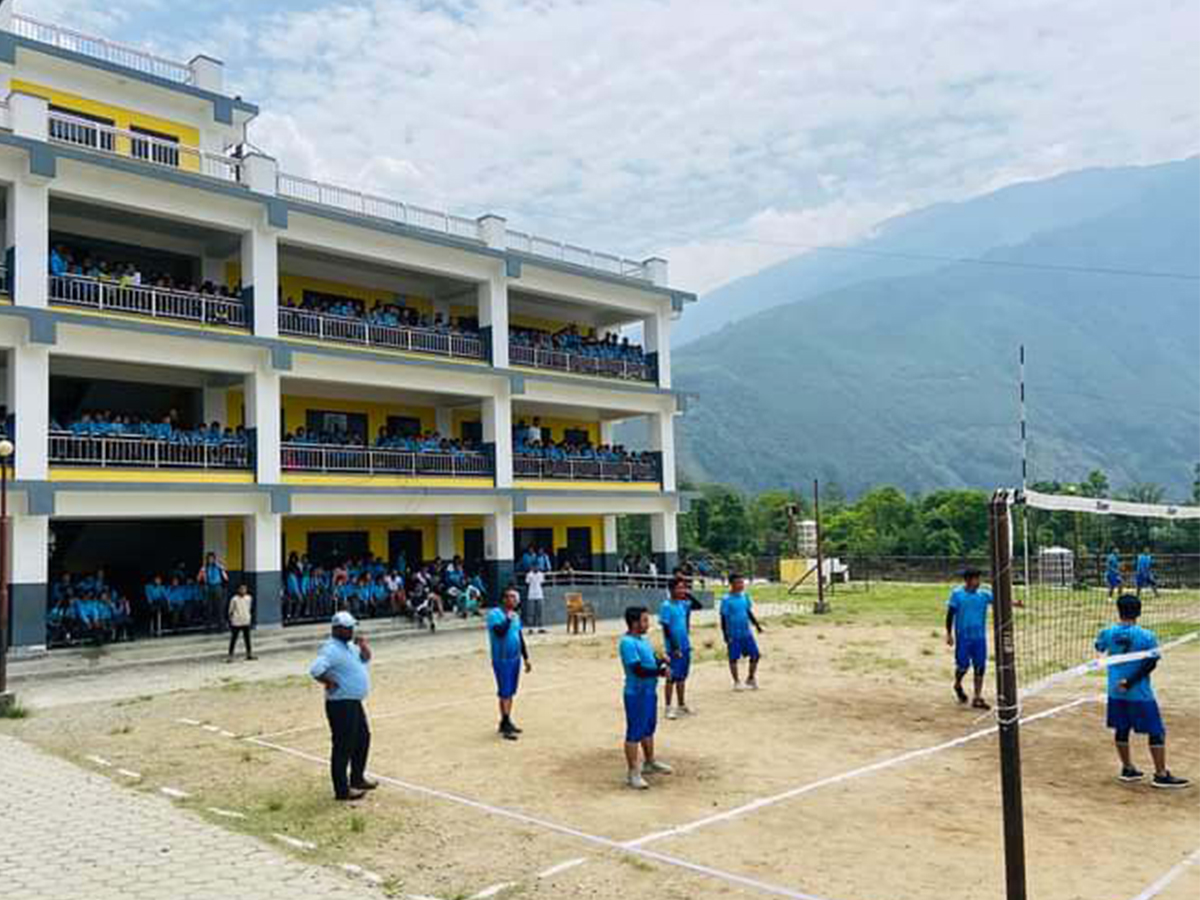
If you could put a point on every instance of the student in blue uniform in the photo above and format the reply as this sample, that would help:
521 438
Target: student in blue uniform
508 651
674 616
1144 573
1112 571
966 632
737 615
642 671
1131 702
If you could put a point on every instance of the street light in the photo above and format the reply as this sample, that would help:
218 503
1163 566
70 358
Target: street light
6 452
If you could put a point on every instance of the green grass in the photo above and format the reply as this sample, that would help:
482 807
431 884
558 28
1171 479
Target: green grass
14 710
884 603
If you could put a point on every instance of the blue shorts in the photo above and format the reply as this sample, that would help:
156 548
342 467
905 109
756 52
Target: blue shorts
1141 716
743 646
1114 579
1145 579
508 676
681 666
641 716
970 653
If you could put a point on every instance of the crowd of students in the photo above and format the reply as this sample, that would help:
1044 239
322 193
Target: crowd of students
425 442
87 608
570 340
392 315
106 423
64 261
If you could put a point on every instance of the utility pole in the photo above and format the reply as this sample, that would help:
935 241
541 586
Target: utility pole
821 606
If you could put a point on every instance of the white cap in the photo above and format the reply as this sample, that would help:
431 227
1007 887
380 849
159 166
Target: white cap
344 620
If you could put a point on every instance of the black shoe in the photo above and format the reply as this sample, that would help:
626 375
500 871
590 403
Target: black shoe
508 735
351 797
514 729
365 785
960 693
979 703
1167 780
1129 773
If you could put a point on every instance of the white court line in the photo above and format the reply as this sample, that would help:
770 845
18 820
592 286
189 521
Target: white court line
410 711
99 760
608 843
294 842
493 890
174 792
1161 885
879 766
562 867
226 813
129 773
187 721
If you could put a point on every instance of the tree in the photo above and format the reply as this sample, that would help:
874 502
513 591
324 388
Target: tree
1095 485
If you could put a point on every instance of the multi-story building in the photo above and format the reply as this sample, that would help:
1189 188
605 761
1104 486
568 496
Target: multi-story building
156 266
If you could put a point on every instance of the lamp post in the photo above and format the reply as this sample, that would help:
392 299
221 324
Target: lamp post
6 451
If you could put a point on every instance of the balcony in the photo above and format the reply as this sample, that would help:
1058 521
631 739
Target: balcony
645 471
580 364
137 452
152 302
356 460
362 333
532 245
100 48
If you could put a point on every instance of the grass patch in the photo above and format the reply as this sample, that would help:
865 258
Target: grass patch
635 862
122 729
14 710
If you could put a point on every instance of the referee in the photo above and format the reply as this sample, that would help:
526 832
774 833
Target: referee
341 665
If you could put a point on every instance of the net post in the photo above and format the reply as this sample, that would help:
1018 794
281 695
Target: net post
821 606
1007 700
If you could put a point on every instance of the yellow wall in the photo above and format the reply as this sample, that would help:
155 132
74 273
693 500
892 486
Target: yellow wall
294 286
560 524
295 411
122 118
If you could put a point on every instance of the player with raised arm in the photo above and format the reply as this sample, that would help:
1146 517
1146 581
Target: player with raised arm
966 632
737 615
1131 702
674 616
642 671
508 650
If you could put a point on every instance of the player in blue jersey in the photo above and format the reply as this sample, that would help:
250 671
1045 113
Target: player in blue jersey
737 615
642 668
1131 702
508 652
966 632
1144 572
674 615
1112 571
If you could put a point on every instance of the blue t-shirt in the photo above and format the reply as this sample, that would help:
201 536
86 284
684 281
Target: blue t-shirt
343 662
1113 564
212 575
508 647
673 617
1120 639
636 649
970 613
735 613
1144 562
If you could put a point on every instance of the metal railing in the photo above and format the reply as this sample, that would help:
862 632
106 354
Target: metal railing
324 327
101 48
382 461
585 469
120 451
143 300
375 207
579 364
140 146
533 245
5 117
608 579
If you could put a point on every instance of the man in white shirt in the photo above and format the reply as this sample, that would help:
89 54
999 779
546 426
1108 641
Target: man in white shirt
533 599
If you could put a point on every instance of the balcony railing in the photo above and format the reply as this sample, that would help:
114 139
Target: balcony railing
585 469
577 363
140 146
533 245
323 327
5 116
100 48
374 207
145 452
378 461
142 300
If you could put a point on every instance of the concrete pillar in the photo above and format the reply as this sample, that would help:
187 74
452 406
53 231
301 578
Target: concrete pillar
656 337
497 431
498 551
664 541
216 405
214 269
662 440
443 421
493 231
260 278
28 376
445 537
216 538
610 559
260 173
208 74
29 116
493 315
29 559
608 431
656 271
262 417
27 241
264 564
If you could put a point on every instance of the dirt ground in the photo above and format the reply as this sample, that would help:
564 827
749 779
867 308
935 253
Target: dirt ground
461 811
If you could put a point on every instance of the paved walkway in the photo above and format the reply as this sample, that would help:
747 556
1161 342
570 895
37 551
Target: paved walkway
69 834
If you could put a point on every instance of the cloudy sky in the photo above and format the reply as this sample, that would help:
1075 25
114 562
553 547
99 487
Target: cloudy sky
722 134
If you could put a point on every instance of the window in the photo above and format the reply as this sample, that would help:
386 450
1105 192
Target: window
78 131
353 425
159 148
403 426
577 436
472 432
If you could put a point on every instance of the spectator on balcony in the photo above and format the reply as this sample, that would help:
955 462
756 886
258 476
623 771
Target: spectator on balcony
58 260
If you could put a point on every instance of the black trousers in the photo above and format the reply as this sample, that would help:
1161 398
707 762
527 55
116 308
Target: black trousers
233 636
351 743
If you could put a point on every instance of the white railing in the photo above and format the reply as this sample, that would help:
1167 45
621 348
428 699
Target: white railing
147 148
382 461
533 245
324 327
608 579
369 205
578 363
145 452
584 469
101 48
142 300
5 117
